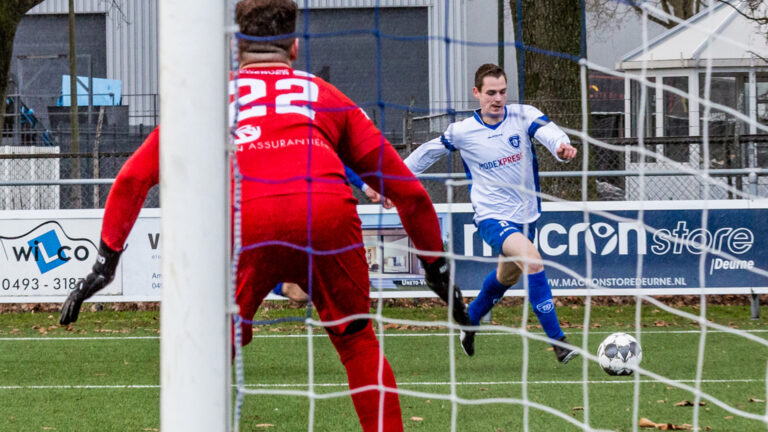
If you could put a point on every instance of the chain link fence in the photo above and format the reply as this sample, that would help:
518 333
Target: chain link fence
34 178
39 170
673 169
40 166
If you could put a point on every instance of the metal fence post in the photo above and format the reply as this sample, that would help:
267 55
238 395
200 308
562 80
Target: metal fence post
754 306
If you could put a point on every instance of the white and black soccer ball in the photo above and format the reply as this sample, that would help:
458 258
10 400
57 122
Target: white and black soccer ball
619 354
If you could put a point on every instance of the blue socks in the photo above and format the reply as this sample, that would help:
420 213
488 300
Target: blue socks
541 301
539 294
490 294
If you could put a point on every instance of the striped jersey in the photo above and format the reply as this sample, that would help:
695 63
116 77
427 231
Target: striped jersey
500 160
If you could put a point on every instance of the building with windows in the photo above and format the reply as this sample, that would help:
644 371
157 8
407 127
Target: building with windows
735 48
387 55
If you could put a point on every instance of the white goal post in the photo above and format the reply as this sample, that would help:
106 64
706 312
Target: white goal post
194 349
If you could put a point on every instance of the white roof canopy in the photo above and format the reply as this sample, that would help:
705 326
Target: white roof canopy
725 35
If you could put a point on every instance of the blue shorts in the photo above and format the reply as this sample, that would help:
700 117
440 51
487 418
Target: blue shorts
495 231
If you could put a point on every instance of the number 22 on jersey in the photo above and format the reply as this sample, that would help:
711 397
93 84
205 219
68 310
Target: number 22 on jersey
252 105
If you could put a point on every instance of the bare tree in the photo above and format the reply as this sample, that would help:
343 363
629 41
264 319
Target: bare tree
11 13
607 10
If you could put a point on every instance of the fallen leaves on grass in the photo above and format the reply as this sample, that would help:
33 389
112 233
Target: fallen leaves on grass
755 400
414 418
578 408
392 326
645 423
661 323
688 403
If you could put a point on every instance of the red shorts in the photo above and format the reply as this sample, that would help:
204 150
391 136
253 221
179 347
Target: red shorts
339 283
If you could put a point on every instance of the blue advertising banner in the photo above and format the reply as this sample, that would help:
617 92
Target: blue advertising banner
660 247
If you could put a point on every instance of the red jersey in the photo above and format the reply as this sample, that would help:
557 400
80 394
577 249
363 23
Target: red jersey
293 125
290 122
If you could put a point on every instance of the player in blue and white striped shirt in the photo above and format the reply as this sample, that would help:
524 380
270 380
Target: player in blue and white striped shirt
496 146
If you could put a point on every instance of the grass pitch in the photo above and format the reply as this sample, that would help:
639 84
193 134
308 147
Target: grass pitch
103 374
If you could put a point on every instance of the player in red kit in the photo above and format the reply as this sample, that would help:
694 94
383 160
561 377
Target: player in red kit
299 220
294 135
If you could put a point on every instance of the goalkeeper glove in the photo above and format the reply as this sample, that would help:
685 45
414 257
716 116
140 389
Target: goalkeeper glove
102 273
438 280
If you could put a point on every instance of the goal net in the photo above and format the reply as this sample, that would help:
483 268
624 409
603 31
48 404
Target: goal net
667 200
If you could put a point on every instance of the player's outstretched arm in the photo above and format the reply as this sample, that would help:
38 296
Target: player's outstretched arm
549 134
124 202
126 197
365 150
426 155
419 220
102 273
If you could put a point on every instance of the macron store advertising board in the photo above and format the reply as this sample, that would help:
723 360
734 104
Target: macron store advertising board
43 253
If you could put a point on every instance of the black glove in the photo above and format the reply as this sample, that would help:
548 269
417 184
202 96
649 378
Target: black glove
438 280
102 273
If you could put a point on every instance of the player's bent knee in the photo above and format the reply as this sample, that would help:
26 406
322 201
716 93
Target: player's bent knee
509 279
534 268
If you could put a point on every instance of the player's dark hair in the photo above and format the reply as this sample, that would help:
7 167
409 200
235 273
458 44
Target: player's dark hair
266 18
488 69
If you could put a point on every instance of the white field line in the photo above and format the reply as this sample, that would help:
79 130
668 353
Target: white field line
388 334
400 384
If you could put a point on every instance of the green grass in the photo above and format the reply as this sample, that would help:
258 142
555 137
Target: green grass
49 382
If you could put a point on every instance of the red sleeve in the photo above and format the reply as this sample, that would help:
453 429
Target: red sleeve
126 197
363 148
413 203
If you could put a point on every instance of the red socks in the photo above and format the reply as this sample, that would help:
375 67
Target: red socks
359 353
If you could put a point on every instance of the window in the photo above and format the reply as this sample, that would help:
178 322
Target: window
649 110
396 259
676 120
730 90
762 98
635 89
393 257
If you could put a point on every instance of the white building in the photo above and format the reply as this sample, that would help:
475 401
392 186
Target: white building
437 75
736 50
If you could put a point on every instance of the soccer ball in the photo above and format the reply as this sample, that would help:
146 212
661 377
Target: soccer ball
619 353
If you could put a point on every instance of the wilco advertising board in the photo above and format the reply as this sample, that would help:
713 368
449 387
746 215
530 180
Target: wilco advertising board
44 253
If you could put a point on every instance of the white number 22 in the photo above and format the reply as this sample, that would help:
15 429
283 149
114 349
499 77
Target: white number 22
283 103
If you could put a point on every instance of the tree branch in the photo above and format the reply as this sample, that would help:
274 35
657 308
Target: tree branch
763 20
665 6
639 10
